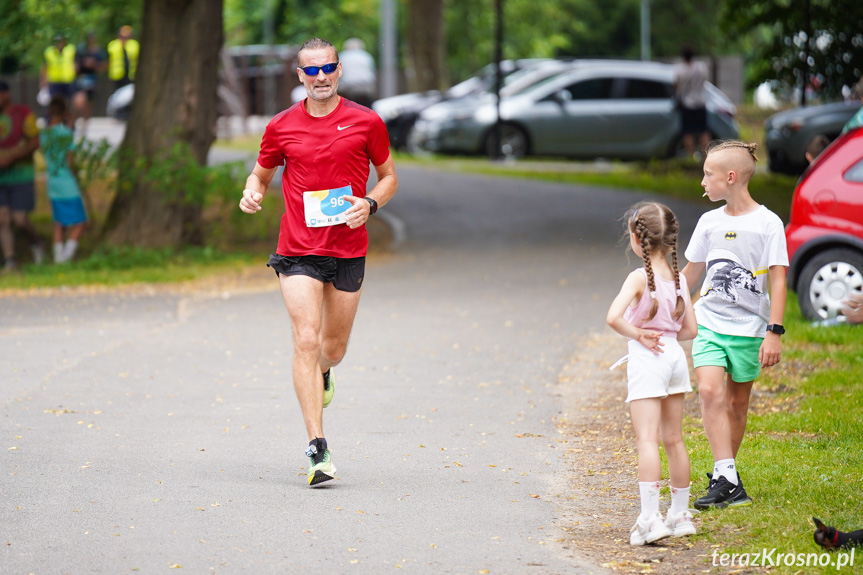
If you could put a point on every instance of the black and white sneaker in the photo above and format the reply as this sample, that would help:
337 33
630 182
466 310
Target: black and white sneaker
720 493
741 498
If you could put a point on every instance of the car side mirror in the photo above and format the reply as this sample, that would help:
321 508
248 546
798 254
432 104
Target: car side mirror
562 97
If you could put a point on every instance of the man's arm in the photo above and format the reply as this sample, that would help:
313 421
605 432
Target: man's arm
383 191
256 188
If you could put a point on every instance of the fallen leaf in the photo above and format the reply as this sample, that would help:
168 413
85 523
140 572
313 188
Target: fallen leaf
535 496
175 566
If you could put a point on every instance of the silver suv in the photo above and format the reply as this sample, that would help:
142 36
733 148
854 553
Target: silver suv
600 108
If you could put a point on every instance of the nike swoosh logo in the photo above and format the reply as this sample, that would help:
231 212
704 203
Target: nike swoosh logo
340 128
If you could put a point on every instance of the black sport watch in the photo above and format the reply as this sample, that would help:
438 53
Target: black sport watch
373 205
776 328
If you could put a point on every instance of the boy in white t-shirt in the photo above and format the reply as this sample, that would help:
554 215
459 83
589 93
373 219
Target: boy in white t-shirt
741 246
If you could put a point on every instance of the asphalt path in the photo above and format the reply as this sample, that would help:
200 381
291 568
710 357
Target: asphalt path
150 431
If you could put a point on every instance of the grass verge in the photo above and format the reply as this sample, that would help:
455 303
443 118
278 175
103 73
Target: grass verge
801 456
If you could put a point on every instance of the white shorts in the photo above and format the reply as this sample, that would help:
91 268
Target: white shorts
656 375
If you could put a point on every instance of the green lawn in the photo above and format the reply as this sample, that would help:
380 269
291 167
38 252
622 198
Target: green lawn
801 457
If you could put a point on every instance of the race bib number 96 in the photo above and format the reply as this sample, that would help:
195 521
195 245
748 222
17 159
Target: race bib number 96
326 207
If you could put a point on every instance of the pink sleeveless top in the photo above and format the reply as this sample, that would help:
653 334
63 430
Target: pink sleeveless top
666 295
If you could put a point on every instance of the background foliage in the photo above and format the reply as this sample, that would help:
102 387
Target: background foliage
27 27
766 32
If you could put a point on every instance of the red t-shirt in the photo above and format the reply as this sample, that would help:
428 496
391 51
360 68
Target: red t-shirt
322 154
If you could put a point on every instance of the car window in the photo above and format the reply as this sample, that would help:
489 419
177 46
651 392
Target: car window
593 89
647 89
855 172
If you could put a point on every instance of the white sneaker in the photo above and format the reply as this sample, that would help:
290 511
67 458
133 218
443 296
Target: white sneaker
680 524
653 529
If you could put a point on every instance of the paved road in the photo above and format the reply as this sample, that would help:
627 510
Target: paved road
148 431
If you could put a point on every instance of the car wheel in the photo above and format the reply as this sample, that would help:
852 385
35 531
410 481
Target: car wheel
513 142
827 280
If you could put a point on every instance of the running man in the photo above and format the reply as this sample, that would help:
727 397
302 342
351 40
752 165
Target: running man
326 144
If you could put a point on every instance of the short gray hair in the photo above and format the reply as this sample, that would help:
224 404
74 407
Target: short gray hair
317 44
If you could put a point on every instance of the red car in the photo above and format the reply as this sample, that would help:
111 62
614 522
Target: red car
825 234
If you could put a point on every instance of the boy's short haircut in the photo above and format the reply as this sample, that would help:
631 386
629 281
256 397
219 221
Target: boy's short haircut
722 145
816 145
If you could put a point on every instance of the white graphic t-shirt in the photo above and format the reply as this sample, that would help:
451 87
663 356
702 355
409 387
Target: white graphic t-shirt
737 252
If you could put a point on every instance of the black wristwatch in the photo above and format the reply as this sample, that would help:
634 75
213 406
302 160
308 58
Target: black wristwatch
372 204
776 328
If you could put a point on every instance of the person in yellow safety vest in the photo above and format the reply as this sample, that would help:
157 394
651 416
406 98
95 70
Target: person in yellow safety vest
58 72
123 57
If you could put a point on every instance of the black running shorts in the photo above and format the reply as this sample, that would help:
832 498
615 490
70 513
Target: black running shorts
346 274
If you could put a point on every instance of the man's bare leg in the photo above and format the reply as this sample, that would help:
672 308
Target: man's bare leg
304 299
339 311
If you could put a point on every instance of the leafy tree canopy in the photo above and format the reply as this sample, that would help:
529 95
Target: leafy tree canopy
29 26
823 36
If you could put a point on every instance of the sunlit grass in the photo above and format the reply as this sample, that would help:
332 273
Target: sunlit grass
801 456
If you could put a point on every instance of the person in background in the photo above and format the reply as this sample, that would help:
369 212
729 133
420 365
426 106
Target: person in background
690 95
67 204
123 58
58 70
359 81
90 62
815 146
19 138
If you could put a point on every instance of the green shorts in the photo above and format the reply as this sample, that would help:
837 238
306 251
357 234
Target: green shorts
736 353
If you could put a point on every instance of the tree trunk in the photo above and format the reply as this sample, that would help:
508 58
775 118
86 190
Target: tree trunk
175 103
427 44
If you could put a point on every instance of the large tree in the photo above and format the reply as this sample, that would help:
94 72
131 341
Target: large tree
172 125
800 39
426 44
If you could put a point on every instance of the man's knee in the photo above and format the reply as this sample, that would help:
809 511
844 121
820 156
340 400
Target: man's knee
307 340
5 217
334 350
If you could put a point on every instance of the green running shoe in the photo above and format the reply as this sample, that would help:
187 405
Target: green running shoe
329 387
321 466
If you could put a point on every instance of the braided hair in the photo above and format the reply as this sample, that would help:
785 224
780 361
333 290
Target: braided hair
719 145
656 229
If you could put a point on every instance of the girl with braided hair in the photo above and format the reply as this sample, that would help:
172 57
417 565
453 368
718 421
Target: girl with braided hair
654 310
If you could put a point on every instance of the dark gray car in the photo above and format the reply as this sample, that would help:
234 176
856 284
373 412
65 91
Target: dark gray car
786 134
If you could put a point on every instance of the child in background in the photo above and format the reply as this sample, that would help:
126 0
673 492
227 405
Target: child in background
66 202
740 247
654 310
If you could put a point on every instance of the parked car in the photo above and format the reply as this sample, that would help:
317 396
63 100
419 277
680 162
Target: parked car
786 134
825 232
400 112
599 108
119 104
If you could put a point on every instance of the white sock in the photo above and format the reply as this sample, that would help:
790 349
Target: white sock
679 500
69 249
649 498
58 253
727 469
